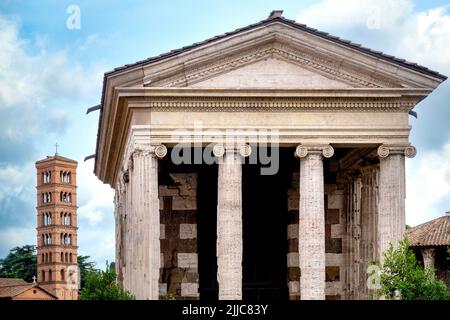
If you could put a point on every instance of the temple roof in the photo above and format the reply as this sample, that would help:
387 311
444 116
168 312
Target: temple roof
291 23
432 233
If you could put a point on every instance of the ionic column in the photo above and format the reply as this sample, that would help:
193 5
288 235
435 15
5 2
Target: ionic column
144 210
391 203
428 257
369 213
229 221
311 242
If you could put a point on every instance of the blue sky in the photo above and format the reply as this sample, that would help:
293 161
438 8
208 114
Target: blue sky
50 75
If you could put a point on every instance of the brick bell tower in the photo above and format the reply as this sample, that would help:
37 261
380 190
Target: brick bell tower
57 226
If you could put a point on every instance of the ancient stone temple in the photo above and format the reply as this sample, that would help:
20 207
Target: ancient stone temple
264 163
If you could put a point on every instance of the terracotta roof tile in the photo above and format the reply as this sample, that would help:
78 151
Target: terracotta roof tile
7 282
432 233
9 292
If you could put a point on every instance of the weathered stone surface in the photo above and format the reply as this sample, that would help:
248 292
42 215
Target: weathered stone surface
188 231
391 214
162 289
187 260
332 274
292 231
229 227
333 245
293 274
312 227
294 287
293 245
189 290
332 216
162 232
292 259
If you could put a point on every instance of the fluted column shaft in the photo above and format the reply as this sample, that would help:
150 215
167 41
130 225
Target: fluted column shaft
391 213
144 235
312 222
229 223
369 213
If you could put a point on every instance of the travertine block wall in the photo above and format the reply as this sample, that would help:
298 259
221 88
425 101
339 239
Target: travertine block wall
334 241
178 215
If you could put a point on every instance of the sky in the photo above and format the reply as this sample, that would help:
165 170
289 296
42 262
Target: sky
51 73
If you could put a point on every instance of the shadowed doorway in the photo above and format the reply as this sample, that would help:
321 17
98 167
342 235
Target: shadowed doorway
265 229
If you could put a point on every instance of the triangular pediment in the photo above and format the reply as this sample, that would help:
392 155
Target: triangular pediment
280 55
271 73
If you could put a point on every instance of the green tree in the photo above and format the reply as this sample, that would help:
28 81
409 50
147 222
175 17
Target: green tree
102 285
403 277
85 267
21 262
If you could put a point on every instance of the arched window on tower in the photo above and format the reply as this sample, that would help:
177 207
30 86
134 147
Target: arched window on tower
62 275
43 275
70 257
46 177
70 239
50 257
62 257
50 275
46 257
42 258
65 177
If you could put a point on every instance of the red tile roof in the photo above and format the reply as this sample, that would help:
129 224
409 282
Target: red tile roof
432 233
11 287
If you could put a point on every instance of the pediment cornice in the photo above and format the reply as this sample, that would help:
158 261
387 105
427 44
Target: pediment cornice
331 66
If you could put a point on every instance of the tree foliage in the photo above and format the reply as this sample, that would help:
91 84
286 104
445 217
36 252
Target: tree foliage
101 285
21 262
402 277
85 266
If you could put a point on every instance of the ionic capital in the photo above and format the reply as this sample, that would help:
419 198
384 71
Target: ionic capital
386 150
324 150
158 150
244 150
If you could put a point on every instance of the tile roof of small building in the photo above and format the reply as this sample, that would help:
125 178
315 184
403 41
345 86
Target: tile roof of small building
11 287
7 282
432 233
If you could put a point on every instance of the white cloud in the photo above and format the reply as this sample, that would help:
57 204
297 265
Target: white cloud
428 185
17 237
96 237
393 26
95 199
34 86
351 14
14 180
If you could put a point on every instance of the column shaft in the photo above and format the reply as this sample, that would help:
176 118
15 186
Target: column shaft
391 215
312 228
229 227
142 256
369 212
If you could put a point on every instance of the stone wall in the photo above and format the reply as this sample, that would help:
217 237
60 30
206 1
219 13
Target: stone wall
178 215
334 234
